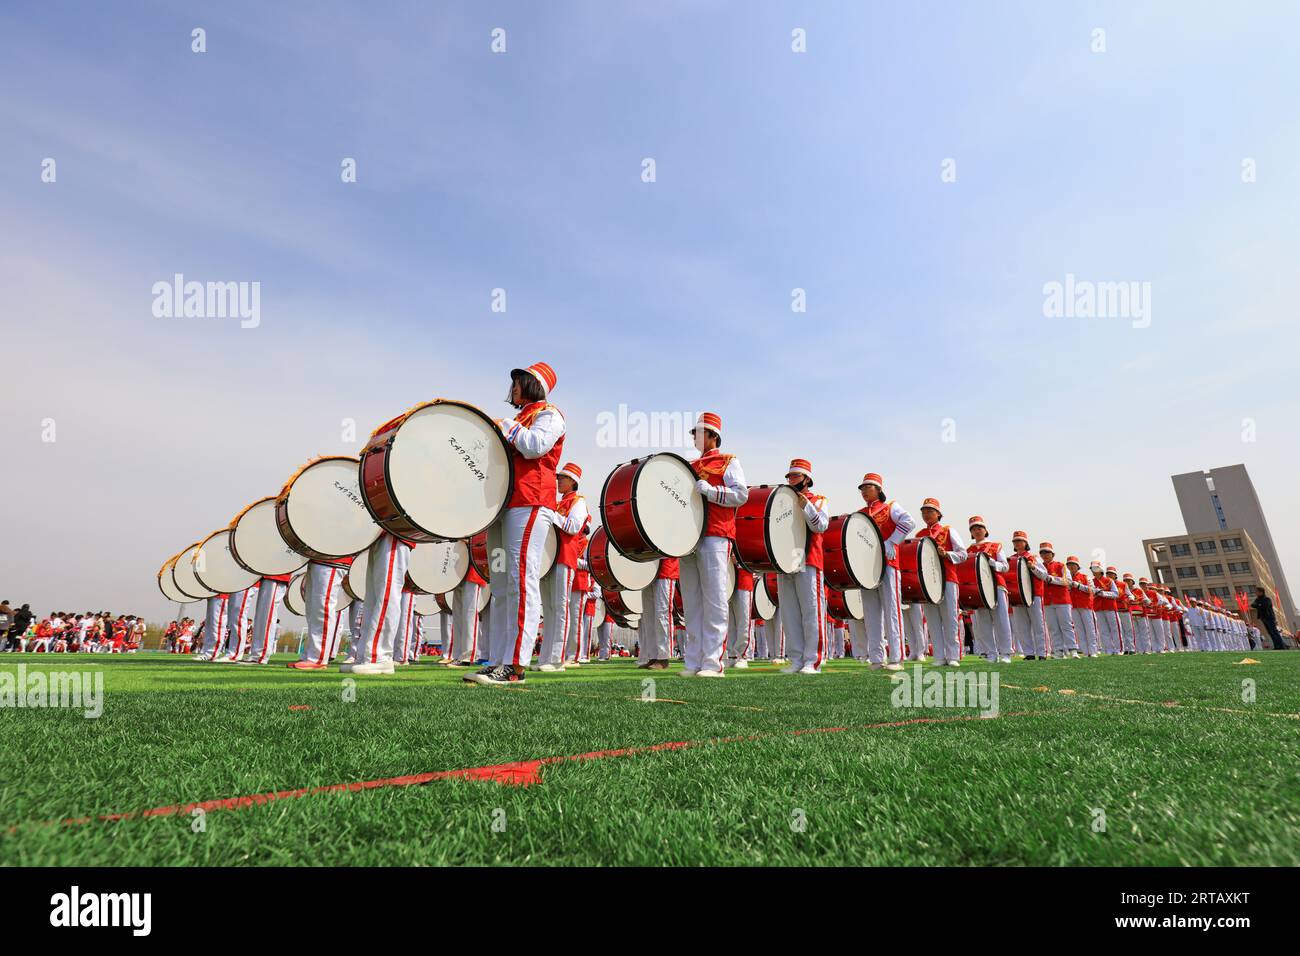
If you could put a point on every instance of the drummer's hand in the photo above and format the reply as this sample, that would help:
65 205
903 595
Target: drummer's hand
890 551
703 487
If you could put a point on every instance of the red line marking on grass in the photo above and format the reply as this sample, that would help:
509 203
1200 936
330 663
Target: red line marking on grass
300 706
517 773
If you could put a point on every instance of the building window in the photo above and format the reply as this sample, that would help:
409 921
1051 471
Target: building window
1218 510
1206 547
1212 570
1186 572
1239 567
1180 550
1223 593
1194 593
1232 544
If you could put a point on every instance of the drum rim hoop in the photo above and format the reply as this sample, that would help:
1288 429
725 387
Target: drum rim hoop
176 561
636 515
767 533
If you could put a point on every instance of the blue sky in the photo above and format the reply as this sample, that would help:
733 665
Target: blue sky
521 171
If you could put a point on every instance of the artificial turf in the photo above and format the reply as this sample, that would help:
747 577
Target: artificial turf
1184 770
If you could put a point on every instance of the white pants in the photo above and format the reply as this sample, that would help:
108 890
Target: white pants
324 595
801 605
1127 632
463 642
402 646
605 634
266 619
1030 628
704 599
517 588
993 629
882 622
942 621
577 620
556 590
1142 634
656 629
382 619
214 626
1108 631
1060 628
578 644
1088 627
239 610
740 625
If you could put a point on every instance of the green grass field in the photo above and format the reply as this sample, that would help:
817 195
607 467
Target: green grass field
1183 769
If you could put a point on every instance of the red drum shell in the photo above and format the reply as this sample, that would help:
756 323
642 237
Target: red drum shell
970 595
619 514
910 580
753 540
838 606
837 571
1020 582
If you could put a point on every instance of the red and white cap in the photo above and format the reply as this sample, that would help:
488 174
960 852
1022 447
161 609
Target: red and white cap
710 421
1144 580
800 466
932 503
540 371
1072 559
1111 569
1020 536
1046 546
572 471
871 478
1128 575
977 520
1094 566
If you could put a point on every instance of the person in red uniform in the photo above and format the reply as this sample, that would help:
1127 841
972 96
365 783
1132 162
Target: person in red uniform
948 640
878 637
1081 603
1027 624
536 439
1057 610
655 631
740 622
991 627
1105 608
800 595
571 519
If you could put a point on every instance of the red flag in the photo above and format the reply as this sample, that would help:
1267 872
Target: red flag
1242 603
1218 601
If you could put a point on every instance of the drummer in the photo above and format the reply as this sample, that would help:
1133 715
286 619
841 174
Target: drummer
1057 610
1105 609
800 594
571 518
655 631
239 609
536 439
323 597
740 620
1081 600
947 615
704 572
878 637
214 626
1028 625
992 626
270 597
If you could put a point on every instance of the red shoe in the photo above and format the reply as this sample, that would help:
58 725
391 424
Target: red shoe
306 666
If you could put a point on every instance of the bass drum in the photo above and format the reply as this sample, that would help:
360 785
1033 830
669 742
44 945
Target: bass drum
438 472
1020 581
623 603
854 552
599 617
771 533
650 508
437 566
354 582
167 583
216 568
257 545
763 606
920 568
425 604
612 570
184 579
977 586
320 511
295 595
846 605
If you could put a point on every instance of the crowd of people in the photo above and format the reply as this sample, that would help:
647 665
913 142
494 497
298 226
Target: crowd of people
66 632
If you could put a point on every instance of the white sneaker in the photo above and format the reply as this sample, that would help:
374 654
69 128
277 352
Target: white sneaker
894 666
708 674
346 667
780 660
1004 660
877 666
689 672
807 669
740 664
381 667
568 664
547 668
790 670
952 663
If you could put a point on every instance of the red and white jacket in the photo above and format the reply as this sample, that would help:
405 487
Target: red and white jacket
728 491
895 525
536 437
571 518
950 544
994 550
817 515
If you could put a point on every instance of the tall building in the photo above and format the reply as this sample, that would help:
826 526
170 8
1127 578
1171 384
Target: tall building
1214 564
1222 499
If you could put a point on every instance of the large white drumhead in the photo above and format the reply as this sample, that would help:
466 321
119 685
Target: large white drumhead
670 512
217 569
853 602
449 469
730 587
549 550
987 581
183 576
425 604
1025 575
634 601
257 545
929 563
326 510
438 566
354 581
787 531
484 596
633 621
295 595
167 584
864 551
764 606
599 617
630 575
